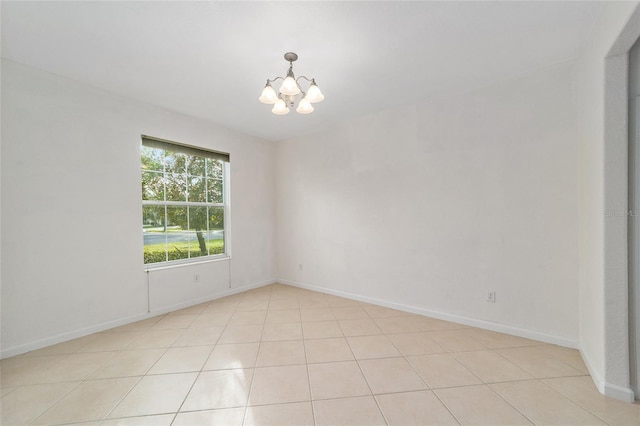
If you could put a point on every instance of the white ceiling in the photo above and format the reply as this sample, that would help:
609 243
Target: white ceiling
211 59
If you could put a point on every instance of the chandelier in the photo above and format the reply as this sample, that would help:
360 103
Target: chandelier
289 91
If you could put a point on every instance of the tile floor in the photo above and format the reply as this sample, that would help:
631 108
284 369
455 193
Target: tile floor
280 355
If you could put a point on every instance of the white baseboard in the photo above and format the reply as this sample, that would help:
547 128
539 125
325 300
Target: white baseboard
70 335
621 393
487 325
225 293
63 337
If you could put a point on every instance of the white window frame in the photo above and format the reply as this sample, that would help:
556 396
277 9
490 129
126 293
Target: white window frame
226 205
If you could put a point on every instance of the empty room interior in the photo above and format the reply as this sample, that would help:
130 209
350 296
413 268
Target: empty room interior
320 213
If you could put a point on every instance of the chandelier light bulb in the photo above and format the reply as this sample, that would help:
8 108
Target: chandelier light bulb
314 94
280 107
268 95
289 87
304 107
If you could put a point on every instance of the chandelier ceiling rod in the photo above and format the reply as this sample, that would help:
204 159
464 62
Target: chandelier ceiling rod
288 92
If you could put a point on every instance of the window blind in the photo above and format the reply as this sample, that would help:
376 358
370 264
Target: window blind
152 142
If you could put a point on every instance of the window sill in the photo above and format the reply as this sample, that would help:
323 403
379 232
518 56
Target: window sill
183 264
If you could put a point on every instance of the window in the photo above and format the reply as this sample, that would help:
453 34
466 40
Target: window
184 201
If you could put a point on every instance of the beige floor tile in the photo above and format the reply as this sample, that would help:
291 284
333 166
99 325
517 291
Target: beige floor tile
375 311
349 312
199 336
253 305
359 327
160 420
277 332
64 348
404 324
91 400
494 340
284 303
358 411
219 389
182 360
222 417
456 340
341 302
6 391
414 408
566 355
155 395
543 405
211 319
75 366
289 352
432 324
479 405
313 301
282 296
25 403
18 371
241 334
278 385
262 293
155 338
248 318
364 347
111 341
389 375
443 371
142 325
317 314
491 367
170 322
129 363
191 310
583 392
538 362
296 413
337 380
328 350
236 355
415 344
283 316
321 329
227 303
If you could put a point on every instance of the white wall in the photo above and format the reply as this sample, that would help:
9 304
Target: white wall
431 206
603 179
71 211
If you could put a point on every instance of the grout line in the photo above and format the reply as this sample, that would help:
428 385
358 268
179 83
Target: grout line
201 367
509 402
306 359
255 363
122 398
459 421
571 400
367 382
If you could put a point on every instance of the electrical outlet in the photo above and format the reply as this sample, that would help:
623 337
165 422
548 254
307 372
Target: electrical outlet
491 297
196 278
300 266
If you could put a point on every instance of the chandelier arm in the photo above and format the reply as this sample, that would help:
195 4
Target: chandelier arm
312 80
269 80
